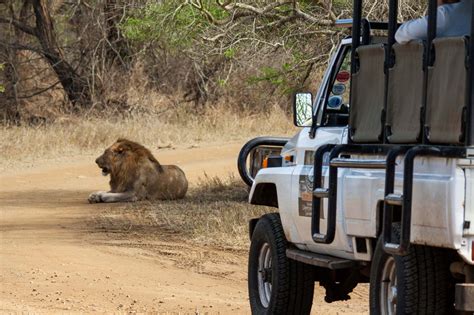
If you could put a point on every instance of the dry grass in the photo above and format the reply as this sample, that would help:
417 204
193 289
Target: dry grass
174 128
215 213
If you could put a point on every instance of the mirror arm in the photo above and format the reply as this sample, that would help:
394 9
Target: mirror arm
314 127
314 124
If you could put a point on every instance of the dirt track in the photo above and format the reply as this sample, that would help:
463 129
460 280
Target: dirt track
53 260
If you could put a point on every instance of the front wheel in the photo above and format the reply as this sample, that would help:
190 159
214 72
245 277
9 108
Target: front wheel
277 285
418 283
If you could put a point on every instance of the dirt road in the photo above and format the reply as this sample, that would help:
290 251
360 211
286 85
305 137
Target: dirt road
52 259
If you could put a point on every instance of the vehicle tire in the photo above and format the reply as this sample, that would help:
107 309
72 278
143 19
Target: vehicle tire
277 285
418 283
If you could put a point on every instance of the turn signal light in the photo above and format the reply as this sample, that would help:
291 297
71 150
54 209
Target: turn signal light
272 161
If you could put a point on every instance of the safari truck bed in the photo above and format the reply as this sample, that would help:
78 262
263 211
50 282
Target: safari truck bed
377 187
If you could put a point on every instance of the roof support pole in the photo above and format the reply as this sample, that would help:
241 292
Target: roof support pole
470 87
429 58
356 29
432 20
392 21
389 56
356 33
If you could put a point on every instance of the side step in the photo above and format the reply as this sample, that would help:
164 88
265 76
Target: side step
319 260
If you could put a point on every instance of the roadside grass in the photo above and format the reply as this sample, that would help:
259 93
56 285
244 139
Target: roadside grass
215 213
175 128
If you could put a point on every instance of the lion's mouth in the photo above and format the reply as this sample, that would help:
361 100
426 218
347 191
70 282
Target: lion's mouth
105 171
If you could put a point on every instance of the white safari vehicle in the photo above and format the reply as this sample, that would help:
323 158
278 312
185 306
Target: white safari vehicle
377 187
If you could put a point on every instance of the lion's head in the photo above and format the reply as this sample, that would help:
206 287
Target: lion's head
123 156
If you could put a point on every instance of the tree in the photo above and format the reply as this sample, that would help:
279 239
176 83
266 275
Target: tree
75 86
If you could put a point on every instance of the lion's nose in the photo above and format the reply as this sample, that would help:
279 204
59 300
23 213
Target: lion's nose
97 161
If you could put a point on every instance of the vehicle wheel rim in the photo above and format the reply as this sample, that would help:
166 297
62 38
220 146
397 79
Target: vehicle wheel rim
265 275
388 292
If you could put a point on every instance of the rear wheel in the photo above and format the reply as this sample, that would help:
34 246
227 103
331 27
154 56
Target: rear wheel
418 283
277 285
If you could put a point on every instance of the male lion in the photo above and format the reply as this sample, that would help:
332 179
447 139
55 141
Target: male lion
135 174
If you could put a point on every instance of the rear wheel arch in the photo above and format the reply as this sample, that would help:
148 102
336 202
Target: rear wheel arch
379 216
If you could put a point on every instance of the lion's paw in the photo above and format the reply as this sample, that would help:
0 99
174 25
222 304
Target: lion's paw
95 197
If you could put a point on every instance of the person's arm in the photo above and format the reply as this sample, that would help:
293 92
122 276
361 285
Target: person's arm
418 29
415 29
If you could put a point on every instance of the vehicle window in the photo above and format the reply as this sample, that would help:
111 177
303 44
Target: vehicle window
337 106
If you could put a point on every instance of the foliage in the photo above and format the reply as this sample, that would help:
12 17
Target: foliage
170 22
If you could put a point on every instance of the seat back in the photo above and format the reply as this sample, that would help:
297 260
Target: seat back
405 94
447 97
367 95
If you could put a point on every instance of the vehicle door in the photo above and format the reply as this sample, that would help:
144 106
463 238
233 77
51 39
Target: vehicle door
331 117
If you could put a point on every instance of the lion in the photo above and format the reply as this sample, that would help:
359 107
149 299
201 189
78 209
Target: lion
135 175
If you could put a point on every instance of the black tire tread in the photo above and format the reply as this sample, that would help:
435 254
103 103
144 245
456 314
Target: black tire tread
424 282
302 285
281 244
295 280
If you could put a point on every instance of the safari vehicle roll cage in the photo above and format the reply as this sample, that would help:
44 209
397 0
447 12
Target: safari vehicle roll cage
388 124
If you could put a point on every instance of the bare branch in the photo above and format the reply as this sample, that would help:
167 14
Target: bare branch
312 19
41 91
17 24
238 10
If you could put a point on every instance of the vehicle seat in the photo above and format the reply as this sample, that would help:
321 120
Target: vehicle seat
368 93
405 93
446 98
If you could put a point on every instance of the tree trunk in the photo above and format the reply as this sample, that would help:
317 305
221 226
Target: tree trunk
8 76
74 85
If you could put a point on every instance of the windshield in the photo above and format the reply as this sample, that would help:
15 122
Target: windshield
334 95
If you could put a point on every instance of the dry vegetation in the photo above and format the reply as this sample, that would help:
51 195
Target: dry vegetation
174 129
215 213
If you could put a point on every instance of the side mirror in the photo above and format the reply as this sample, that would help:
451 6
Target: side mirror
303 109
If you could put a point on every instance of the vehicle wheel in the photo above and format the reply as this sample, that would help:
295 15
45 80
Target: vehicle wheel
418 283
277 285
